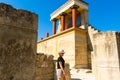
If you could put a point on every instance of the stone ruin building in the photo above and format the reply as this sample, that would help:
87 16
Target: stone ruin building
18 47
18 38
86 48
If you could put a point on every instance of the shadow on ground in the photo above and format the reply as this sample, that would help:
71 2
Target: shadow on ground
75 79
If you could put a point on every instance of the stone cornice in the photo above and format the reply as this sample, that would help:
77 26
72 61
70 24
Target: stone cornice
63 32
63 14
74 7
67 5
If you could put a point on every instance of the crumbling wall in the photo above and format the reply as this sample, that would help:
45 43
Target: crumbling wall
118 45
107 56
18 38
90 46
67 70
44 67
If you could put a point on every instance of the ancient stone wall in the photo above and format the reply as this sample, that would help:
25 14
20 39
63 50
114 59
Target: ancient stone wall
44 67
18 38
118 45
52 45
90 46
81 56
67 70
73 41
107 56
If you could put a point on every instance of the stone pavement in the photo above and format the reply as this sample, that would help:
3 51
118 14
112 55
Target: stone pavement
82 74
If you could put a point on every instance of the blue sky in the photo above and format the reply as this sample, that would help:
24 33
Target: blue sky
103 14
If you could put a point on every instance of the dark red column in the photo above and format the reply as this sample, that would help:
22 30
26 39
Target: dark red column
47 35
62 20
54 26
74 15
41 38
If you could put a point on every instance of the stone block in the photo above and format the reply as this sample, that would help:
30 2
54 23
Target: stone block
18 39
106 56
44 67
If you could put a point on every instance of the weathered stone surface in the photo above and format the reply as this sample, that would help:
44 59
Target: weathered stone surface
118 45
91 47
73 41
18 37
53 45
104 49
81 56
67 70
44 67
106 53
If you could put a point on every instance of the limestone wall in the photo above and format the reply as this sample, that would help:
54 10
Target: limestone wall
73 41
18 37
44 67
106 53
67 70
54 44
81 56
90 47
118 45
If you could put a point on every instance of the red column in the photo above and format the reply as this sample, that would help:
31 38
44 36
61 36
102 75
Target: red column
62 20
47 35
41 38
54 26
74 15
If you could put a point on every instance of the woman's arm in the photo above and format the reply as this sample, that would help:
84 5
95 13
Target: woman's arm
60 63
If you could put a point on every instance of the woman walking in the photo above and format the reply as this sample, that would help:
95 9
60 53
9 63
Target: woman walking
60 66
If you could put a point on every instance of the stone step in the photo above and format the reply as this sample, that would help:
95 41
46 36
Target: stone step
82 74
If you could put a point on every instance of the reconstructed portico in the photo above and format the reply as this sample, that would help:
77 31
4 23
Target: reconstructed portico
70 23
85 46
72 14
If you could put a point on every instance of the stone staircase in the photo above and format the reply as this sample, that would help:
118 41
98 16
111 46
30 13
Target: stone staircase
82 74
93 29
